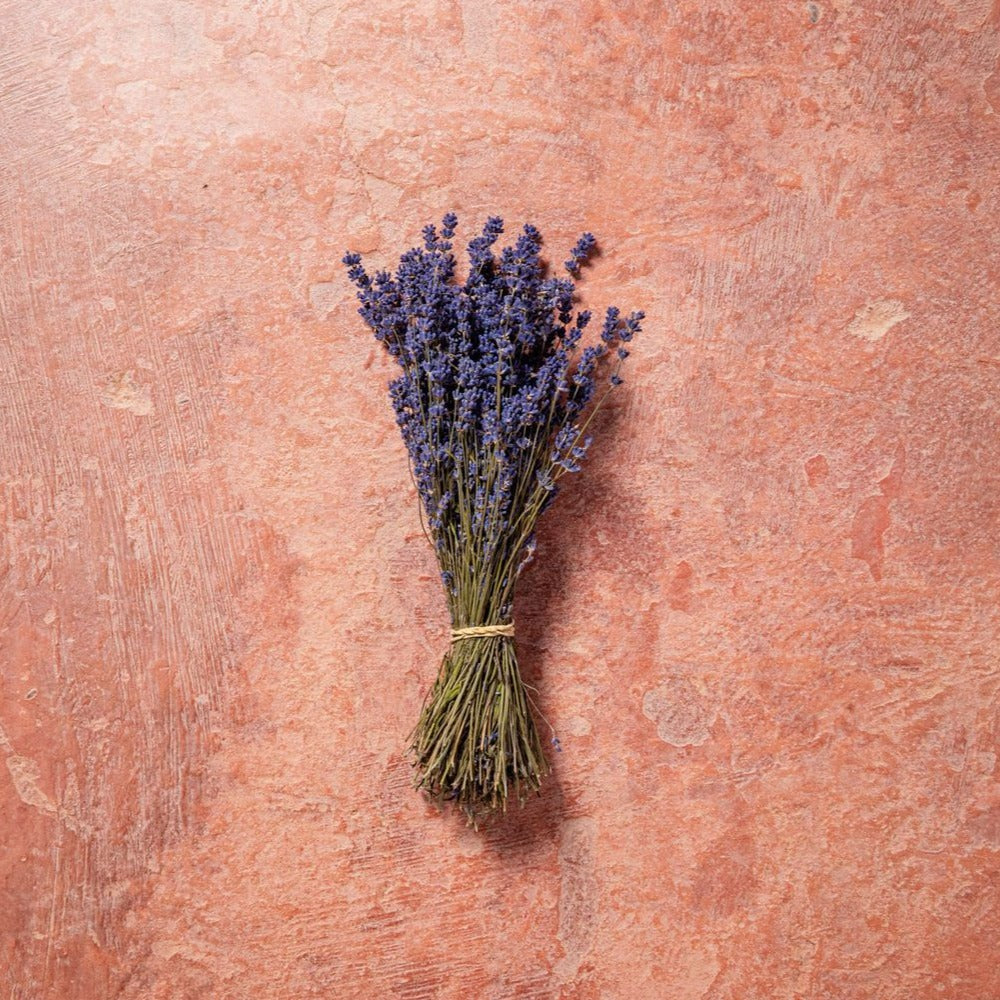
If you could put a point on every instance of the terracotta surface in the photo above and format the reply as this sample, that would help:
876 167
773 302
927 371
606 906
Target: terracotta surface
763 622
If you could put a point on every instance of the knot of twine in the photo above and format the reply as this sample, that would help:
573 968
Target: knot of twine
482 631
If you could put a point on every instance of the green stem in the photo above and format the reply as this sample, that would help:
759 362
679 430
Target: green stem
476 742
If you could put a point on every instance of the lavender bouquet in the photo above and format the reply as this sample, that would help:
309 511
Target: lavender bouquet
493 399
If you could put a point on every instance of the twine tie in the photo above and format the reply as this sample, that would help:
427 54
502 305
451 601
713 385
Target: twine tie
482 631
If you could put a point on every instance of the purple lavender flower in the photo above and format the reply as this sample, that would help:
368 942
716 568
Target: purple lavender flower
585 246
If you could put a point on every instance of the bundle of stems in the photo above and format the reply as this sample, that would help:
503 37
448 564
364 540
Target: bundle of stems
494 401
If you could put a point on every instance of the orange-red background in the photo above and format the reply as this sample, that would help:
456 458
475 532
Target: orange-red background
763 622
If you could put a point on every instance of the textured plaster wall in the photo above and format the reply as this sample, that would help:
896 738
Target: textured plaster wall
763 622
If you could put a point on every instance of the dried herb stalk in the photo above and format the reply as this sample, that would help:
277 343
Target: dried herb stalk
494 400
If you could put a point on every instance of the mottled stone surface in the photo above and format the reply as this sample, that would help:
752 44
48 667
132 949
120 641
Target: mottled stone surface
763 623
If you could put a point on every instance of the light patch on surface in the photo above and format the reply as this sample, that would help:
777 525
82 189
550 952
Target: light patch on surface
323 296
122 392
677 709
479 30
577 894
875 319
27 777
970 15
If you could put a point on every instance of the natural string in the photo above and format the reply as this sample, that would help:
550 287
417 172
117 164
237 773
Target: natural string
482 631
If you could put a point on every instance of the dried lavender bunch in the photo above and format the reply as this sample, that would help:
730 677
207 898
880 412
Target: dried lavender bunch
493 400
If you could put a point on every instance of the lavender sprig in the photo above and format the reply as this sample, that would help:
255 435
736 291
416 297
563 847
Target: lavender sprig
493 399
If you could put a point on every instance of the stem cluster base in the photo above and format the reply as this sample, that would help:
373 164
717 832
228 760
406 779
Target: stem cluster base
476 743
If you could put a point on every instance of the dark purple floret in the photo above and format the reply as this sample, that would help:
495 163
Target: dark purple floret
585 246
632 325
610 332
